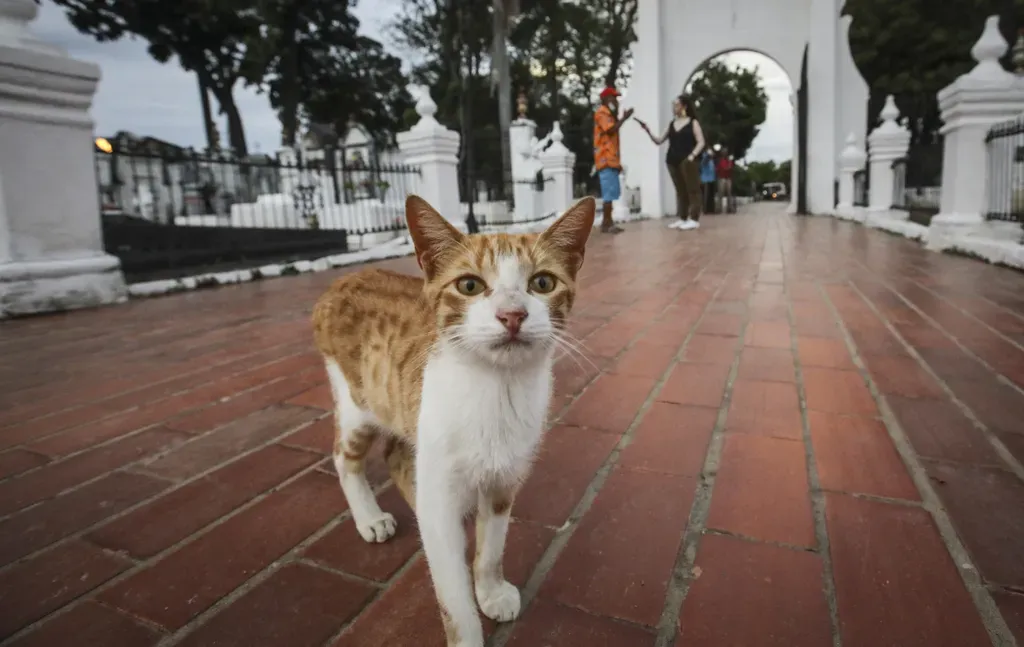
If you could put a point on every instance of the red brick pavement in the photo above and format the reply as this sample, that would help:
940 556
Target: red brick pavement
786 431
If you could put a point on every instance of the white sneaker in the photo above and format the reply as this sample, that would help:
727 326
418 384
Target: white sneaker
676 224
694 225
687 225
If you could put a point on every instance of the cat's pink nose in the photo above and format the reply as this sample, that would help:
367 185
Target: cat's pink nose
512 319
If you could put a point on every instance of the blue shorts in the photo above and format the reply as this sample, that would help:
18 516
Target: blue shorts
610 189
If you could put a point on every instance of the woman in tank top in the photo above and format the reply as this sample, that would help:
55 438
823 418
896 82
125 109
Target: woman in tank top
685 143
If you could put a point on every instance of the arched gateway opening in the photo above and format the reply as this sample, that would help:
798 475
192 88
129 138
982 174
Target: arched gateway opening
746 106
806 38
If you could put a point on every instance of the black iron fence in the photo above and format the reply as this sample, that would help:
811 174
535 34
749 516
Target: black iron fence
168 211
899 183
860 188
529 196
916 181
1005 171
492 198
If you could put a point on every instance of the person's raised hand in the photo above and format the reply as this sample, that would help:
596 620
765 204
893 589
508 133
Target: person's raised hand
628 113
643 124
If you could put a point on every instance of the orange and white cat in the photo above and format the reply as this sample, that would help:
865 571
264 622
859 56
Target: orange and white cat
454 372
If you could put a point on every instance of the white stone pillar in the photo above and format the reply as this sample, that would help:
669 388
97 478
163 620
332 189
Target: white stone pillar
648 94
620 208
289 160
886 144
558 162
434 150
850 161
853 90
795 162
521 137
970 106
51 243
822 112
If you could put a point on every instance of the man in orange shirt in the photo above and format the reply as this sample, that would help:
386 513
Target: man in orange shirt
606 153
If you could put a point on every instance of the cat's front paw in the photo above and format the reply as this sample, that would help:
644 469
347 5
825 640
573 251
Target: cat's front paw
378 530
500 602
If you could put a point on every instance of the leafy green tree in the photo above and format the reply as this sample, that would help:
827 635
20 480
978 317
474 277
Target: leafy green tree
207 37
913 48
617 18
297 41
731 105
364 86
313 63
561 53
447 38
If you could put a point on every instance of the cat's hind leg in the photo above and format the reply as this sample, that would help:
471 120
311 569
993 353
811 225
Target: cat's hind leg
355 431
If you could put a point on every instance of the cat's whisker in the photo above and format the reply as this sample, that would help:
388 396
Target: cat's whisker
565 334
573 354
574 348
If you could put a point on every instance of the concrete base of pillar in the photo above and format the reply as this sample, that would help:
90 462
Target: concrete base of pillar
946 228
999 252
1002 230
895 221
45 286
849 212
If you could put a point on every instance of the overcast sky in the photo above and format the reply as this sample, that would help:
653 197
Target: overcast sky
142 96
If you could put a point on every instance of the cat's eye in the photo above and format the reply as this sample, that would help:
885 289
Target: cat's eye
542 283
470 286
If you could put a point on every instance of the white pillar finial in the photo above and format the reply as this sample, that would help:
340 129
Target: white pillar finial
987 52
425 107
890 112
15 18
991 46
853 156
851 160
434 151
556 133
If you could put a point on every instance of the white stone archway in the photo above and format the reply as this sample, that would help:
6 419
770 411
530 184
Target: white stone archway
675 38
793 85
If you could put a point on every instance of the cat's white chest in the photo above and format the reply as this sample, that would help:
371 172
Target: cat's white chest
484 424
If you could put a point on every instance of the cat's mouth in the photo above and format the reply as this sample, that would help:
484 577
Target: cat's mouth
510 343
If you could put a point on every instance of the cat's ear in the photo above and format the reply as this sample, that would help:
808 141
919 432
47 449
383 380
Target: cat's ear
570 232
433 236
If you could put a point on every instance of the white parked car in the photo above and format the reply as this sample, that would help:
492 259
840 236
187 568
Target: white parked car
773 191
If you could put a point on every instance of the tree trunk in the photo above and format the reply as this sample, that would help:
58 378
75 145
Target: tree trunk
501 66
288 111
465 116
615 60
288 114
212 138
553 71
226 100
623 15
236 132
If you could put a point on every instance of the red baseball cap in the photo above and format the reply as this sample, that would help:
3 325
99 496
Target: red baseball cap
609 92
